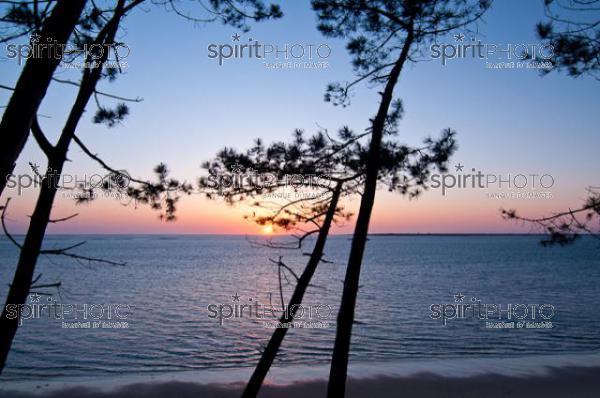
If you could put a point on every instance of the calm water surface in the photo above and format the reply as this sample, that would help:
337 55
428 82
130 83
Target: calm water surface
170 282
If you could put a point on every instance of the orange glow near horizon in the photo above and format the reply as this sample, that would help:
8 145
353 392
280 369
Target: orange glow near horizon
457 213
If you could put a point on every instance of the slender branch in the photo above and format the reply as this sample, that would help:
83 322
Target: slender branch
4 228
60 252
40 137
96 92
283 265
57 220
101 162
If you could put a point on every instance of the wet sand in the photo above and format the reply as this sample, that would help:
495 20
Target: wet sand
569 382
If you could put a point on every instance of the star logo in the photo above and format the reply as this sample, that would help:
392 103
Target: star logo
459 297
459 37
34 298
236 297
35 167
235 37
459 167
34 38
237 168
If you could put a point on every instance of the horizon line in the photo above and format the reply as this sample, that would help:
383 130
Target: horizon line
282 235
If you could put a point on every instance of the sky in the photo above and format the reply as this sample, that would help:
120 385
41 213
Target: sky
509 122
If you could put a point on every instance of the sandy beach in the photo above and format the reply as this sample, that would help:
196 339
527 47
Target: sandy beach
571 382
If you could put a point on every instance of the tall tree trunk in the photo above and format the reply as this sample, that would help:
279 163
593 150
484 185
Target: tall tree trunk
19 289
341 349
268 356
32 85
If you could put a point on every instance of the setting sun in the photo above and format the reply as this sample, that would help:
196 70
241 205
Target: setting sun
267 229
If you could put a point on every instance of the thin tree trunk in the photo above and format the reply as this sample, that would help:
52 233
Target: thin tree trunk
32 85
268 356
339 362
19 289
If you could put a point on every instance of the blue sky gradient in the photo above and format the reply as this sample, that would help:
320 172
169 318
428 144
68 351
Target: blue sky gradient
508 121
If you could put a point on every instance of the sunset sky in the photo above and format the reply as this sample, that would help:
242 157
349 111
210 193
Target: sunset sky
508 122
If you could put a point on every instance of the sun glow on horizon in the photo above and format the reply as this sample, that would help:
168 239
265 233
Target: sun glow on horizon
267 229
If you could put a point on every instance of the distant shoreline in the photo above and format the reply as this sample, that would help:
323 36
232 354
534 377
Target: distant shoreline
333 234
